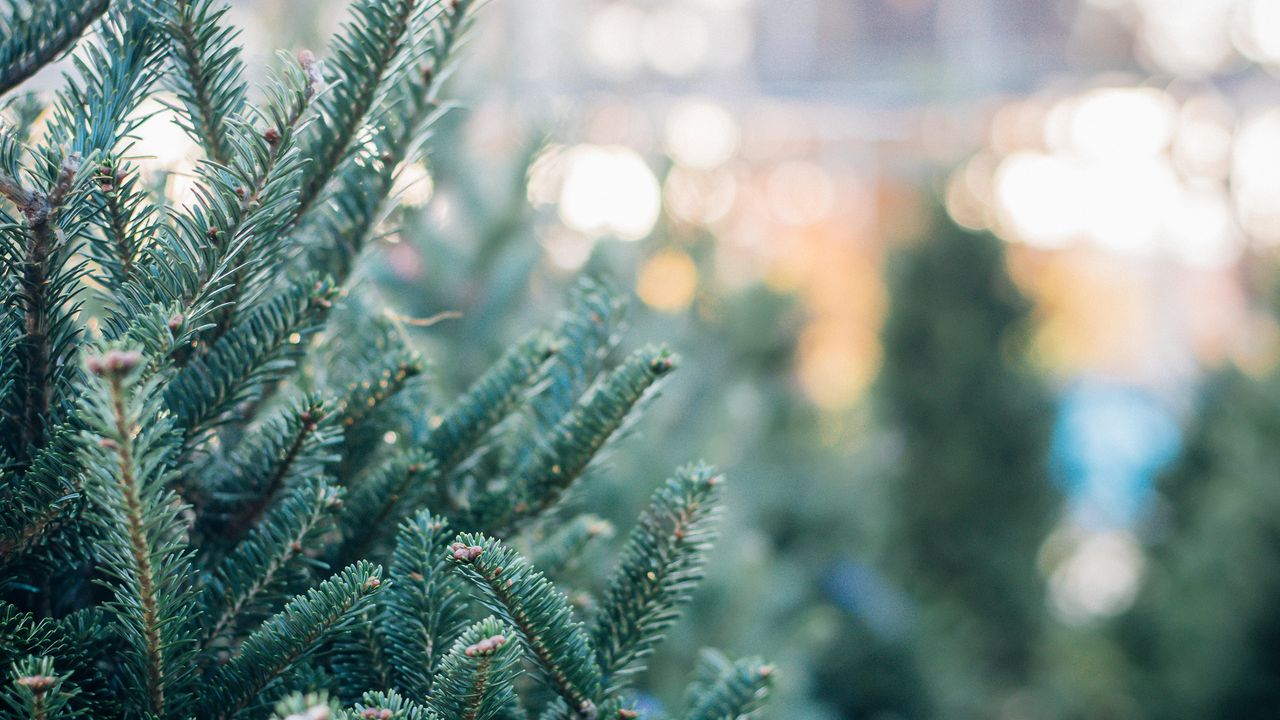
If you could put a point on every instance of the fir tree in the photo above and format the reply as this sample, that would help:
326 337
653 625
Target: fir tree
971 501
1204 631
200 482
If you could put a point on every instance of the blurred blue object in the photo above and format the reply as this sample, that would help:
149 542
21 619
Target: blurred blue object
865 593
1109 442
649 705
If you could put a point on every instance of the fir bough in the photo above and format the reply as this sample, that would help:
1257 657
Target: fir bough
201 469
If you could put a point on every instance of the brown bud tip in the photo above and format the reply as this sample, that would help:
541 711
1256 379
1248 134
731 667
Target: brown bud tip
766 671
108 444
628 714
175 322
114 362
295 546
428 74
241 192
486 646
306 57
372 583
37 683
465 553
271 135
318 712
212 233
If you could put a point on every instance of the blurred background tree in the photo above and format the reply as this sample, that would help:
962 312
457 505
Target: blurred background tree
971 499
1205 632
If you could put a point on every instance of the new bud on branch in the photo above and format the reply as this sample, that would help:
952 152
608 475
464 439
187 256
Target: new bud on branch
114 363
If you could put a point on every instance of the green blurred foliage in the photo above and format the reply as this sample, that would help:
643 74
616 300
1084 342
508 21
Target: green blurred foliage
1205 633
933 503
971 499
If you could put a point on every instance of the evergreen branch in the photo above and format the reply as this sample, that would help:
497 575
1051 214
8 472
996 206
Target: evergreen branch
86 633
371 369
128 453
91 463
44 289
487 401
477 676
29 43
661 565
379 502
586 334
312 706
263 567
95 113
540 614
288 637
561 458
390 705
243 361
22 637
358 657
401 123
212 260
42 500
272 178
727 690
39 692
207 75
127 222
424 610
363 54
294 442
557 552
387 378
91 116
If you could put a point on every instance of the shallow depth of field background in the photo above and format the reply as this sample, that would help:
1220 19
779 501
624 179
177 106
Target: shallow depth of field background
749 169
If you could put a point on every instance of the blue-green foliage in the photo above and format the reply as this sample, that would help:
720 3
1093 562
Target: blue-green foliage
188 460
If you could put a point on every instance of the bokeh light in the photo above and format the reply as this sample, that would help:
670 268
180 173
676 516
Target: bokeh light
701 134
1129 170
668 281
609 190
1099 577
